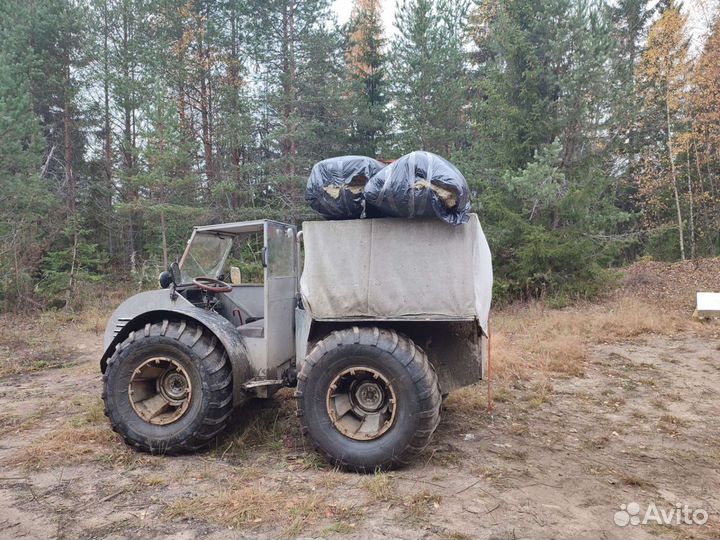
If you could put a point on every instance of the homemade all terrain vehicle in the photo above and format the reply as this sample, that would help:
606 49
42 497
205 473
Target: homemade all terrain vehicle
387 317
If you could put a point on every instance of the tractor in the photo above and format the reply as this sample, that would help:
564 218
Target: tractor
386 318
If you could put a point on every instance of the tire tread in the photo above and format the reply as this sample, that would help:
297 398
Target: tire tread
216 373
422 374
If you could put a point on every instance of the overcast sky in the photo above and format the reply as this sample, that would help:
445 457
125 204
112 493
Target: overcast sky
700 14
343 8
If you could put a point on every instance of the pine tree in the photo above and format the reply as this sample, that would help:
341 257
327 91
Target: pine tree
28 207
323 108
630 19
297 46
64 271
366 64
234 121
540 107
41 43
662 78
541 74
705 151
427 73
167 191
122 122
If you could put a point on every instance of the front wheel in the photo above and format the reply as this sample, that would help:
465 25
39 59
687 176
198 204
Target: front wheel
368 398
168 388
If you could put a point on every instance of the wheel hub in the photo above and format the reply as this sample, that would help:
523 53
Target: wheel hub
361 403
160 391
369 396
173 385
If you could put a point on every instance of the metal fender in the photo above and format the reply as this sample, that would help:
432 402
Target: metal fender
133 315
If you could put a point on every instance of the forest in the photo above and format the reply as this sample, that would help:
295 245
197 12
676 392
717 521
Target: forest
588 130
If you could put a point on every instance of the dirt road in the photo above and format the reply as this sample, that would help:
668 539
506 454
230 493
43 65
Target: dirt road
556 458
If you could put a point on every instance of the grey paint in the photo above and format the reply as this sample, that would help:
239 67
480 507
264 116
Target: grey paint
303 323
151 306
139 304
456 349
279 318
248 298
280 295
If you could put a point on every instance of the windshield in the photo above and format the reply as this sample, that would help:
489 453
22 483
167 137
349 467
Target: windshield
205 256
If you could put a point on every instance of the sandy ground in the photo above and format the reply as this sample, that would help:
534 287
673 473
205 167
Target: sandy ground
554 459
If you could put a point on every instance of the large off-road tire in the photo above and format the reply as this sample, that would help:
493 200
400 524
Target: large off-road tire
180 363
368 398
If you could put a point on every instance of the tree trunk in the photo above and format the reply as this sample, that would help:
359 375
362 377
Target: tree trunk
68 142
206 132
107 140
673 177
289 146
234 72
127 153
163 225
691 216
71 284
163 232
127 106
205 109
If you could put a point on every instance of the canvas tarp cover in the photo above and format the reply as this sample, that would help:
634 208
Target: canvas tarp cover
396 269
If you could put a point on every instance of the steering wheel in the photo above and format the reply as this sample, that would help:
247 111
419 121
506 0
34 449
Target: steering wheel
211 284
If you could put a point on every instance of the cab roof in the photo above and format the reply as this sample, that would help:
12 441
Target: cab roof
237 227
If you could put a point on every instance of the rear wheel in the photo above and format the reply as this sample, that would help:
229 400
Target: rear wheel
368 398
168 387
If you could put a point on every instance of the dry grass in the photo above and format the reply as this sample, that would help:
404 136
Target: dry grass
92 308
530 338
26 345
93 412
629 479
236 506
252 506
458 536
670 284
540 395
276 491
380 487
337 529
154 480
73 445
265 425
466 407
85 437
33 342
502 394
533 342
91 319
419 505
669 424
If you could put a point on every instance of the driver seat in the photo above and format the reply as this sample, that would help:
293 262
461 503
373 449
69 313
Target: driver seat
255 329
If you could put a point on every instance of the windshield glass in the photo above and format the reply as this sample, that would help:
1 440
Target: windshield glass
205 256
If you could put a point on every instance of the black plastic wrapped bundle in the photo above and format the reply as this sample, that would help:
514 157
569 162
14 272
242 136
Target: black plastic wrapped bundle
335 187
419 184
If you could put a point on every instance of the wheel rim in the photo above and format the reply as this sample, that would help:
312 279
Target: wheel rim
361 403
160 391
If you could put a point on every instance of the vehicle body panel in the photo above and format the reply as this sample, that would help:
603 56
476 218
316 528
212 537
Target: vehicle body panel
263 330
280 295
152 306
456 349
396 269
